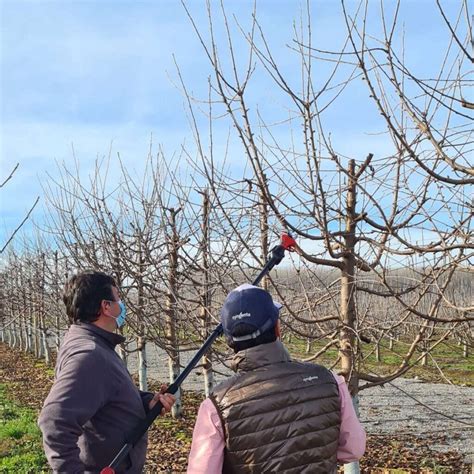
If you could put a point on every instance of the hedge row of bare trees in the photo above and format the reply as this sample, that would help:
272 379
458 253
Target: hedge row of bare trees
385 240
409 208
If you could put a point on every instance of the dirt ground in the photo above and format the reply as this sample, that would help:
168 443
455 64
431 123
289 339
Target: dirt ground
169 440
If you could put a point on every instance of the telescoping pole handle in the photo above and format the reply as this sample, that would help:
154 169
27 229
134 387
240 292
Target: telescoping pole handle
278 252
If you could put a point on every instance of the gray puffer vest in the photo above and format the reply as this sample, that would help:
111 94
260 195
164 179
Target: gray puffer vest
278 416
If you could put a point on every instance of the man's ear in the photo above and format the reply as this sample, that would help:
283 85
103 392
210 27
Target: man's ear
278 330
104 305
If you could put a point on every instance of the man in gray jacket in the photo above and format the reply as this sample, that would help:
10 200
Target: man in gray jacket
93 402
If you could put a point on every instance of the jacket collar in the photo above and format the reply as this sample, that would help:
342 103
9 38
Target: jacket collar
91 330
258 356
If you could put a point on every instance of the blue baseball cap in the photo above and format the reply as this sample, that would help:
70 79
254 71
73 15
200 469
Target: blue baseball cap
250 305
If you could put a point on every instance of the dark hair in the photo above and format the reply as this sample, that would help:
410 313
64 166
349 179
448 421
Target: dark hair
83 294
243 329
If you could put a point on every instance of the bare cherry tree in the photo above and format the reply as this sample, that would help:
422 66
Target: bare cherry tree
361 216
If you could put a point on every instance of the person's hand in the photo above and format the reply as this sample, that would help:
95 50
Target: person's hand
166 399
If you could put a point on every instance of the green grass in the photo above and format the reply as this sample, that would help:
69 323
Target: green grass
183 436
435 468
171 426
448 356
46 368
20 438
165 422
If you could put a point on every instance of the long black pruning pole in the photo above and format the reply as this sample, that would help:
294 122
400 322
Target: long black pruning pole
277 254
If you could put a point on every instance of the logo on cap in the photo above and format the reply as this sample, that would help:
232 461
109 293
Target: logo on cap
241 316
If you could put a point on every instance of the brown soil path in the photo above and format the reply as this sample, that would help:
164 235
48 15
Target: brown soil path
29 381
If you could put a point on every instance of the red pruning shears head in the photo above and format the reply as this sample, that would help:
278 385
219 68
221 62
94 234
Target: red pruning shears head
288 242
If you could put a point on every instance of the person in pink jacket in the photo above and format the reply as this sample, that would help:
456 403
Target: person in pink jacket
275 414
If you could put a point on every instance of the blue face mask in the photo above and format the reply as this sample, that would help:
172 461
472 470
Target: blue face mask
123 314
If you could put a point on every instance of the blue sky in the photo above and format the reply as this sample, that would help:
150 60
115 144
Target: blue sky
96 72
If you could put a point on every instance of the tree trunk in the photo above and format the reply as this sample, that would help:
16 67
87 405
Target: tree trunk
205 303
348 311
36 345
23 334
34 329
42 309
377 351
142 363
29 341
121 349
141 340
57 334
14 337
263 219
170 312
25 337
21 340
424 359
46 348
